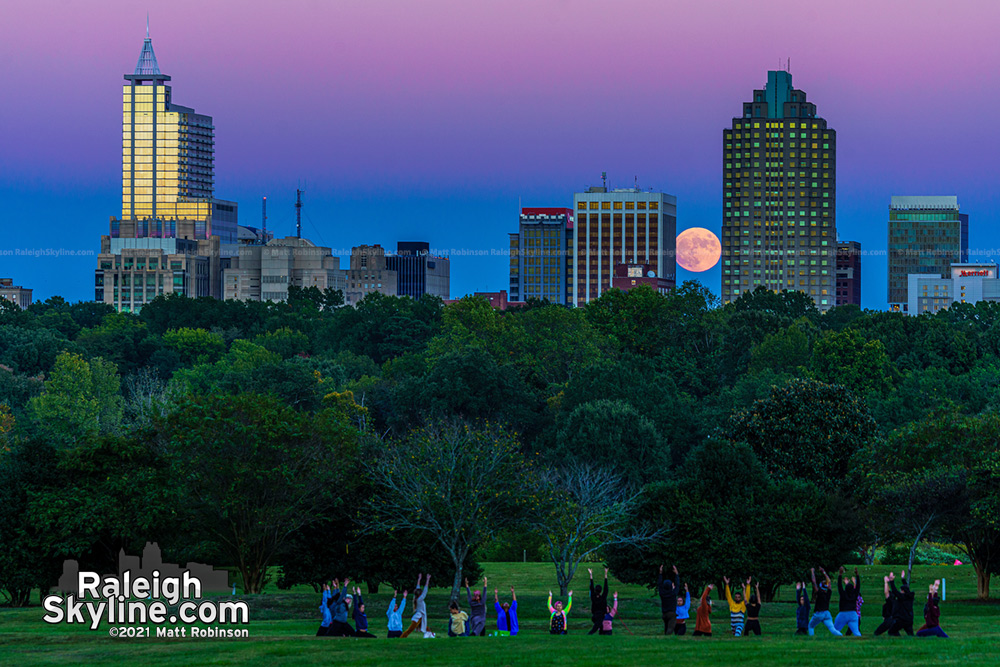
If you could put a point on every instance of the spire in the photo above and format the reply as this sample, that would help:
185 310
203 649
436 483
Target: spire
147 65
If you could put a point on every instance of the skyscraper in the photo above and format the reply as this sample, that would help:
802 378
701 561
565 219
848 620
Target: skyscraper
541 263
623 226
170 222
926 235
779 226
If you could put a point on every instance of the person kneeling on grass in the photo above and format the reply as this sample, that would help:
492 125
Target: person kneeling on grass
506 614
395 616
607 623
477 610
338 602
360 617
849 594
324 609
458 625
683 612
703 615
932 614
558 623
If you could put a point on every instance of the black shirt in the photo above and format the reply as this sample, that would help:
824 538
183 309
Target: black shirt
821 600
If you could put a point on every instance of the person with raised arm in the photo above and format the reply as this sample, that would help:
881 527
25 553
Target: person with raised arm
598 602
801 608
848 611
902 605
703 615
395 616
886 608
324 610
683 612
340 598
506 614
667 589
419 618
458 625
360 617
607 623
932 614
558 620
822 592
753 610
737 606
477 610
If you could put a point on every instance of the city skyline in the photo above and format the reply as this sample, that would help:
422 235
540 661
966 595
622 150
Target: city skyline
371 113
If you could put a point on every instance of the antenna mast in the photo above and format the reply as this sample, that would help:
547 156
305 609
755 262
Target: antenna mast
298 212
263 231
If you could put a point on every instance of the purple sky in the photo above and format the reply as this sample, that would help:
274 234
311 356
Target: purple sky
430 120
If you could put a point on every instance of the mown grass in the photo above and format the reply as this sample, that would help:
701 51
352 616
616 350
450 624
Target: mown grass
283 625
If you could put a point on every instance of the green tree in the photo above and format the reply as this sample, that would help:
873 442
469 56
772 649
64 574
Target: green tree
612 434
457 484
195 346
253 471
80 399
805 430
847 359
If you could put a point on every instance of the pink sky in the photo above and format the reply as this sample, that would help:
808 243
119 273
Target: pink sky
403 117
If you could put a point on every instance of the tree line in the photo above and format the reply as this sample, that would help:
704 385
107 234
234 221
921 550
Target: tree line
639 429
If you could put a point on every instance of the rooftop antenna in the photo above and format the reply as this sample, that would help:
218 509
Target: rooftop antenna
147 25
298 212
637 182
604 179
263 224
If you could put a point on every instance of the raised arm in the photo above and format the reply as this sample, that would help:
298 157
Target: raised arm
427 587
468 593
605 582
484 593
857 580
552 609
569 603
840 580
812 575
614 607
512 596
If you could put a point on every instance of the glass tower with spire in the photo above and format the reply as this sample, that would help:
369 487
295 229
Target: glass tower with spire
173 236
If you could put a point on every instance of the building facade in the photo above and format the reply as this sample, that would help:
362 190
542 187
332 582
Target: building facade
779 197
628 276
264 272
541 258
498 300
369 272
418 272
849 273
168 154
621 226
965 283
927 234
20 296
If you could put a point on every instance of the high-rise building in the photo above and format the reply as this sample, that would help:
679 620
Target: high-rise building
849 273
21 296
541 260
779 197
264 272
621 226
927 234
418 272
169 216
368 273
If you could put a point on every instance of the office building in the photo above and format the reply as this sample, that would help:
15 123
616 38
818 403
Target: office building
849 273
264 272
169 215
368 273
621 226
15 294
541 259
779 226
418 272
927 234
965 283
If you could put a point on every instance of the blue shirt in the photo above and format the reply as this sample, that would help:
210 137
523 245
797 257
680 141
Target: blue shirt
683 611
502 617
324 609
396 617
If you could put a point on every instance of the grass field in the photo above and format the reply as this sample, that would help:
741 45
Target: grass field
283 625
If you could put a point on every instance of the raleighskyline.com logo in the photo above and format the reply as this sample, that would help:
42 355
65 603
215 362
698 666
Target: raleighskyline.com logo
145 594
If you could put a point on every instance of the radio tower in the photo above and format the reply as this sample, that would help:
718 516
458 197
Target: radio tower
298 212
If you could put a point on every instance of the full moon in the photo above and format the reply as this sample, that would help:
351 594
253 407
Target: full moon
698 249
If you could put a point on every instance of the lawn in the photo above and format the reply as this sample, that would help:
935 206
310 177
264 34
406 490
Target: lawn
283 624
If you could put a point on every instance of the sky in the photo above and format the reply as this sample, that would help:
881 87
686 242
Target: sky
435 120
